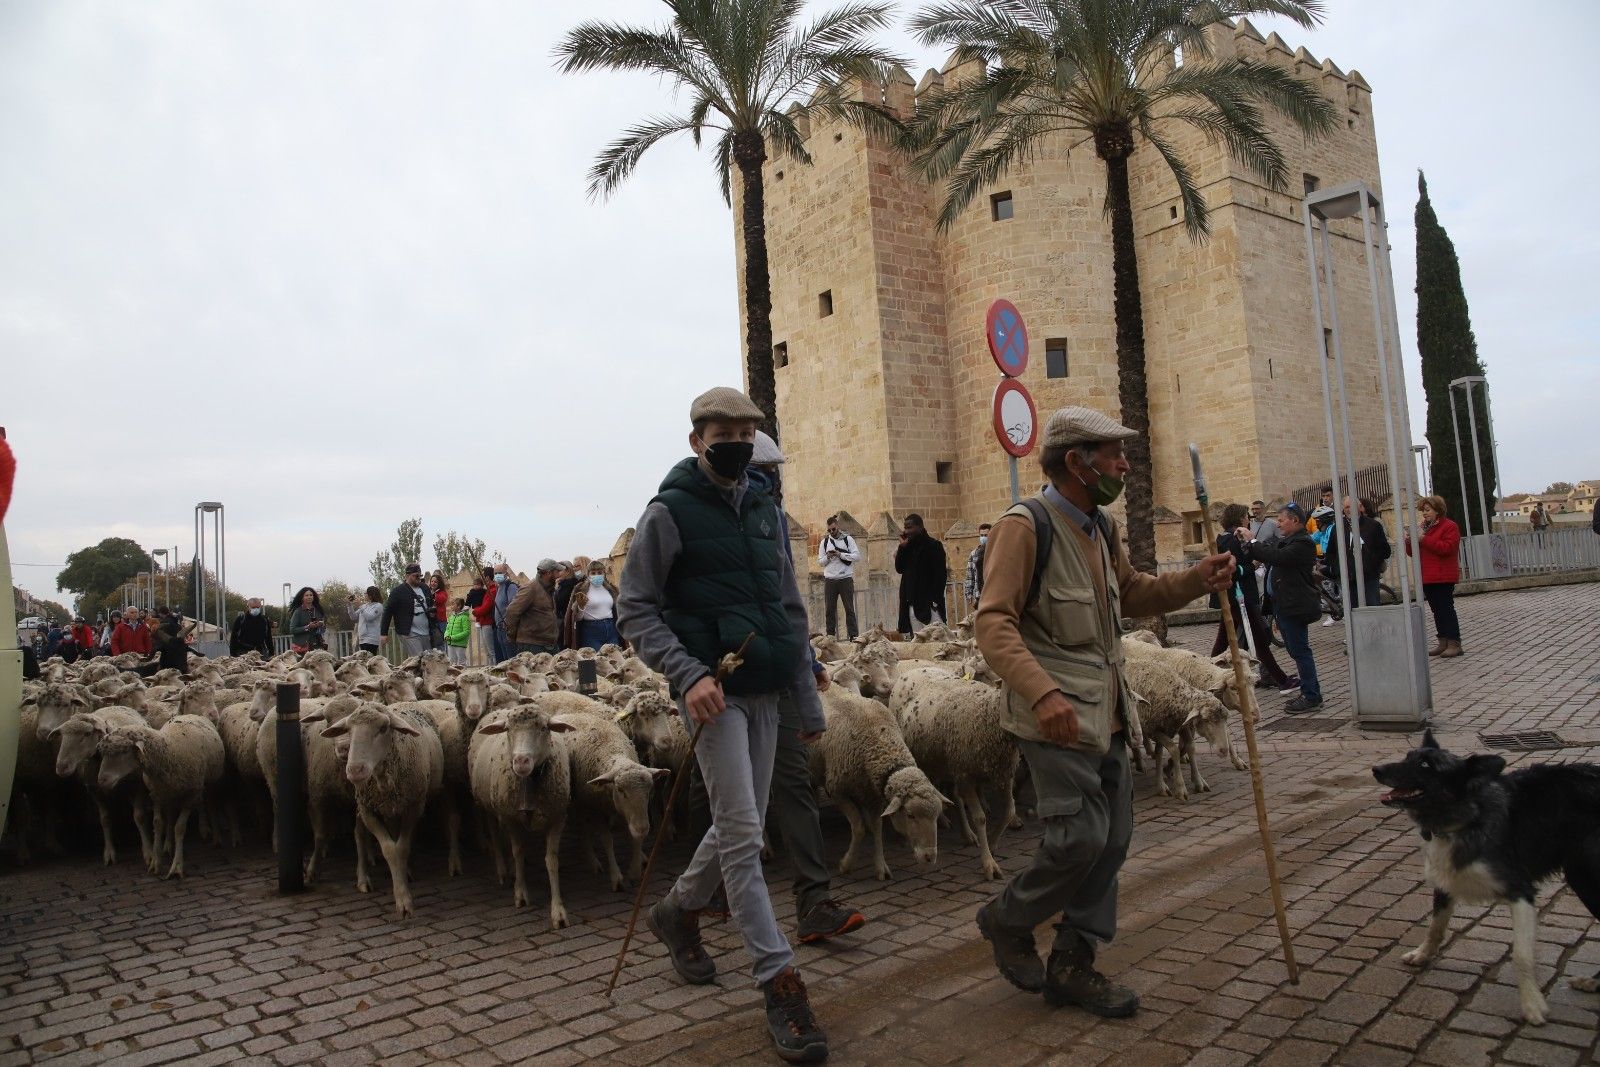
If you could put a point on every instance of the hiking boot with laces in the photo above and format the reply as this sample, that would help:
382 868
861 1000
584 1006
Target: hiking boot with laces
795 1033
1070 978
1016 956
679 930
828 918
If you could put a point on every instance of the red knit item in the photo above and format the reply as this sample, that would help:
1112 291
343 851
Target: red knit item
8 475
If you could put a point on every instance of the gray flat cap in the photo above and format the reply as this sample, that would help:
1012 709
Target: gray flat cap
546 565
724 403
767 453
1082 426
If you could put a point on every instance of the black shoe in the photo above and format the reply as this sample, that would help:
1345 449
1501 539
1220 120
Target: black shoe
795 1033
679 930
1070 978
1016 956
716 909
827 919
1301 705
1290 684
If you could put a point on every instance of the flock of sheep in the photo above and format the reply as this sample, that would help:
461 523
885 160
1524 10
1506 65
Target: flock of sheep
514 753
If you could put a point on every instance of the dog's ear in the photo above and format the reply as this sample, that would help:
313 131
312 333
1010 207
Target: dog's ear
1484 766
1428 741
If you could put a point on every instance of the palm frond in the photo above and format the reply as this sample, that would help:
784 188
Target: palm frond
618 160
1196 217
783 134
1015 146
724 163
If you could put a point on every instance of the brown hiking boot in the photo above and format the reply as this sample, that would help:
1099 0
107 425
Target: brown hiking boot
1070 978
1438 649
679 930
795 1033
1452 649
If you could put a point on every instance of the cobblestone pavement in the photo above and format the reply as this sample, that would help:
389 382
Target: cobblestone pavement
116 967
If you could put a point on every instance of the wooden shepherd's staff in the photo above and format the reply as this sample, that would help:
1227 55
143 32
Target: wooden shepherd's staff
1247 703
725 666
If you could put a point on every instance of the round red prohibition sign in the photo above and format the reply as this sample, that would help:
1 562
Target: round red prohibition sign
1007 335
1016 420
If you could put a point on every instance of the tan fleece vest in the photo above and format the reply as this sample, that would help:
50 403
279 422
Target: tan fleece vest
1075 635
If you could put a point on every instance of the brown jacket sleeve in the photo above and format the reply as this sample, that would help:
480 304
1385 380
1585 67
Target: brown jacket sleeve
1007 574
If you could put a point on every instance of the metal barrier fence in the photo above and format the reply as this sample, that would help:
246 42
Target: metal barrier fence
1574 548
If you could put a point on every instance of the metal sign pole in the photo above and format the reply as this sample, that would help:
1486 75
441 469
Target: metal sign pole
1477 455
1016 493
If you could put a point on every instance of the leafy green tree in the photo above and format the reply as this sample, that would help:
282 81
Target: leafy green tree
752 75
1557 487
94 573
452 551
1449 351
388 566
1059 71
335 598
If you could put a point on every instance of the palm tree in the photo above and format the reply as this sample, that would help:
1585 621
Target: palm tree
753 76
1104 70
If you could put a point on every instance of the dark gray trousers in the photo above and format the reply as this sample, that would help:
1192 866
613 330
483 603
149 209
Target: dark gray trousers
792 808
1086 804
834 590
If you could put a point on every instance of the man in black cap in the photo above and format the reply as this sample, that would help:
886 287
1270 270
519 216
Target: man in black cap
410 610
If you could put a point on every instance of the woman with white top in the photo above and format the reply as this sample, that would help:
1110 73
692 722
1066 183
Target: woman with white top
368 618
591 619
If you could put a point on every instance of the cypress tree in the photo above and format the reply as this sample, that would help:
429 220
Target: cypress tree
1449 351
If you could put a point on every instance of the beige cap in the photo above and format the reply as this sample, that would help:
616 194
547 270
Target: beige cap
724 403
1079 426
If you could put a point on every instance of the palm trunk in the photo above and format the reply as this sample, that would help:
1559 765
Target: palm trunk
1133 393
749 153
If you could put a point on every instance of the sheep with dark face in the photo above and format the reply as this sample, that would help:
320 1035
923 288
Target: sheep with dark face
522 780
179 763
396 765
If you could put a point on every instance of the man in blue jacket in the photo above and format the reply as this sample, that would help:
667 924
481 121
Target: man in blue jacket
706 571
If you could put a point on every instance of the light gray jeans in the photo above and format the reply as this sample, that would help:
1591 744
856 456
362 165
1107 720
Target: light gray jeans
735 756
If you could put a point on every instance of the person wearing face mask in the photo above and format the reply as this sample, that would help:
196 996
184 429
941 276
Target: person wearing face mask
837 556
707 572
505 591
974 586
591 617
1057 583
572 575
252 631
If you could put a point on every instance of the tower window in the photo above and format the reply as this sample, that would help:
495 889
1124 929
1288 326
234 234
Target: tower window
1311 182
944 472
1172 212
1055 357
780 354
1000 207
825 304
838 137
1327 343
779 175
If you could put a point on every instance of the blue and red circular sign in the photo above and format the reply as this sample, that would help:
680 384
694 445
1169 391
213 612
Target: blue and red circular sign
1016 419
1007 335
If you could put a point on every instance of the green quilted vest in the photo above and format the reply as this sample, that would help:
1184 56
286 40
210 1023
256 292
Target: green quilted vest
724 584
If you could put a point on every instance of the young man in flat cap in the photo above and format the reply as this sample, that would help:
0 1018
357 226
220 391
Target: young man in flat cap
1058 650
706 569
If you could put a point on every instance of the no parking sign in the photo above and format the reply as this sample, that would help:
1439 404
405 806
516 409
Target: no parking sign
1008 338
1016 419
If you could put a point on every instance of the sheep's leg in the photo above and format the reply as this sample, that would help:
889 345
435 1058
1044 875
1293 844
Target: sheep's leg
552 867
491 838
857 833
1238 761
108 854
452 818
1172 778
363 857
141 820
967 834
969 799
178 826
394 854
320 832
1186 744
636 864
610 846
879 864
159 834
519 895
591 846
1008 815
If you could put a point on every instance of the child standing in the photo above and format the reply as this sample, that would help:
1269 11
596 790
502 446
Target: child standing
706 571
458 631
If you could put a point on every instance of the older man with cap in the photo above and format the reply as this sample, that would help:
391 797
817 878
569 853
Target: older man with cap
530 619
409 610
1050 625
707 574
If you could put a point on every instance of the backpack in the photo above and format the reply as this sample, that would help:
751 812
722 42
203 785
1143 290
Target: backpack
1044 540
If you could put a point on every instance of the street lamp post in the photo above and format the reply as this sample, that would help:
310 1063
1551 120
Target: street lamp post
283 620
166 570
219 551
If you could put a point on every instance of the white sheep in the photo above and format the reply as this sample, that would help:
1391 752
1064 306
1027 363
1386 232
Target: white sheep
863 763
662 740
1171 711
609 785
79 740
179 762
522 780
396 765
954 730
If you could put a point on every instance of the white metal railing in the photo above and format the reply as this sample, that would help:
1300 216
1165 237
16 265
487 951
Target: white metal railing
1550 551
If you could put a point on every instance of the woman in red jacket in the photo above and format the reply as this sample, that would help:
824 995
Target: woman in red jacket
1441 569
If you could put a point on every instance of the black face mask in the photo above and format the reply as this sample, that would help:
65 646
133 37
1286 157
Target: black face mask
728 459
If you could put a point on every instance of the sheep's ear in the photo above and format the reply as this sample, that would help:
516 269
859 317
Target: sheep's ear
446 687
1192 716
605 779
1222 659
403 726
946 801
624 715
661 774
53 733
496 727
337 729
561 726
894 806
138 746
319 715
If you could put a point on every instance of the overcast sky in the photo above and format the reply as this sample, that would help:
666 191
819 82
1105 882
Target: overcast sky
333 264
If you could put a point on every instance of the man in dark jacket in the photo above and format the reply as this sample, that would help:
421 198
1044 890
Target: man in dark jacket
1373 542
252 631
920 562
410 609
1296 595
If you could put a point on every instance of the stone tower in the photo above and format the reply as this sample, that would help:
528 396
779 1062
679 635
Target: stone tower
884 379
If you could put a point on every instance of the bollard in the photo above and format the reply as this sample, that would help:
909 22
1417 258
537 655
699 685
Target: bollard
291 813
588 680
